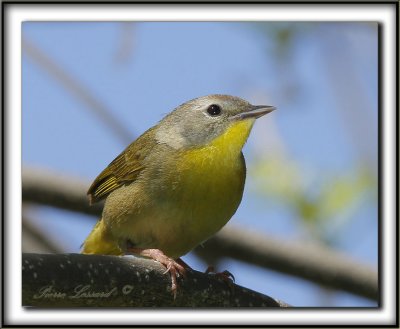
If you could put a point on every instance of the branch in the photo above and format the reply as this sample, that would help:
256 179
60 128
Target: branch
52 189
312 262
315 263
74 280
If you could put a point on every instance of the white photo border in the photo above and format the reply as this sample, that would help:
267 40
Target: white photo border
384 13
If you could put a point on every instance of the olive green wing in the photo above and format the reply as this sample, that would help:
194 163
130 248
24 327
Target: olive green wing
125 168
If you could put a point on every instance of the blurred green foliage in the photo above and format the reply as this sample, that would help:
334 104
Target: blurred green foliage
324 202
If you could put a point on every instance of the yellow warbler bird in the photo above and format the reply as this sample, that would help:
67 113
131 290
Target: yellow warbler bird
177 184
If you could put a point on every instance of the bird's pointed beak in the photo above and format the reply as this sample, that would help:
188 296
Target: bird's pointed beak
255 112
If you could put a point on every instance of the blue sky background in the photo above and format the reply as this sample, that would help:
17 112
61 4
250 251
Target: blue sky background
322 77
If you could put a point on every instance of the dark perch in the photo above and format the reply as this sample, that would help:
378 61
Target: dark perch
75 280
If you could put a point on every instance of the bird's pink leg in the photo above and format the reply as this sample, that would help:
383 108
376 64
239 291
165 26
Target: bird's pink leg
175 268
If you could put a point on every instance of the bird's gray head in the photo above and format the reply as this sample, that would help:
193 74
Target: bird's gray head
199 121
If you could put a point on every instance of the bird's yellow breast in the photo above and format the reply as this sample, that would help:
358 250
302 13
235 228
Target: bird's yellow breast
210 187
216 171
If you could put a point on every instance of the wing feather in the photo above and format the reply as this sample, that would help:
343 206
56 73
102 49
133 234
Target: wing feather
124 169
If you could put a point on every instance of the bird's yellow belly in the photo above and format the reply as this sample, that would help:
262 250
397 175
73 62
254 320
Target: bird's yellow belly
201 212
180 218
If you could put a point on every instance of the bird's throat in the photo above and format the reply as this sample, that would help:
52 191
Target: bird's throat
233 139
221 156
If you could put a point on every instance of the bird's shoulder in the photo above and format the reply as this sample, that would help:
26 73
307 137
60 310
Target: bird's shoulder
124 169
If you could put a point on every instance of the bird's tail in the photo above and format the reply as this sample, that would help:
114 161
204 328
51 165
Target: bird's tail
100 241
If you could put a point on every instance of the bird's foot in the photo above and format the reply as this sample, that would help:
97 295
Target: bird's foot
175 268
224 276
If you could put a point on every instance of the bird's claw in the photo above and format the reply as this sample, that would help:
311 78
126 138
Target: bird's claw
225 276
173 267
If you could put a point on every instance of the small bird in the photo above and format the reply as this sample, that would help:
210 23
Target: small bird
176 185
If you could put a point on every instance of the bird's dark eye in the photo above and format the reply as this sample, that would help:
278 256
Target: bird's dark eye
214 110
